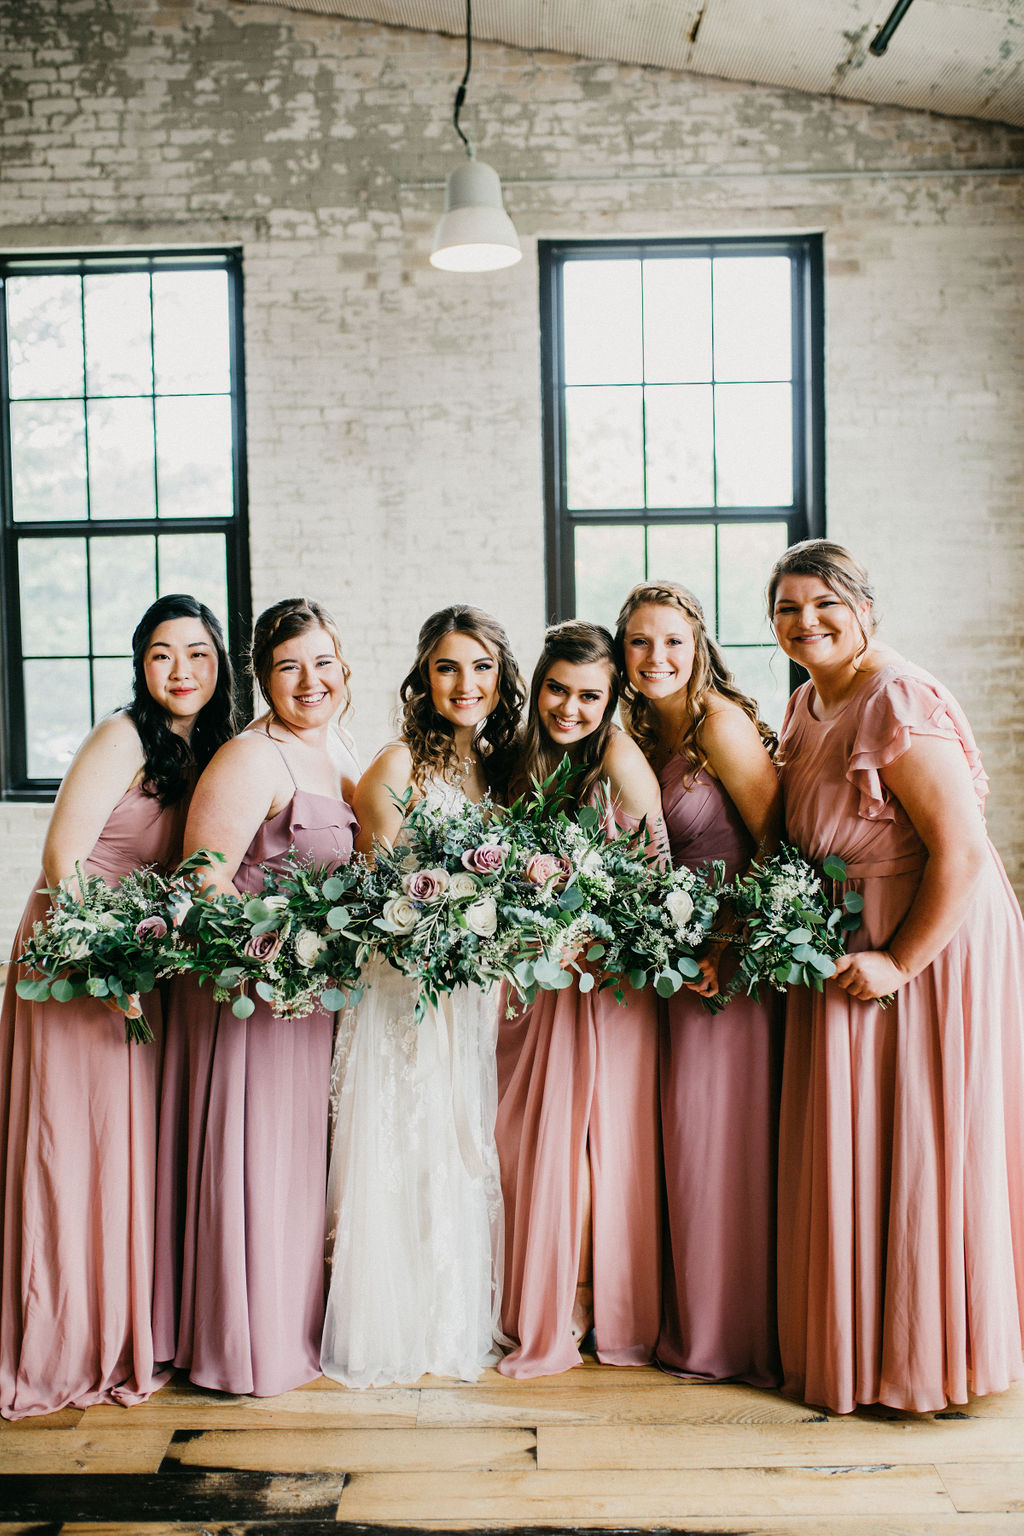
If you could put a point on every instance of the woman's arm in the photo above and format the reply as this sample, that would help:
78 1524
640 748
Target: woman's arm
109 762
635 789
244 783
379 817
739 760
932 782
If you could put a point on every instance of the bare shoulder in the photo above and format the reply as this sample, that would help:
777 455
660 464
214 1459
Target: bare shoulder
622 755
726 725
392 766
114 744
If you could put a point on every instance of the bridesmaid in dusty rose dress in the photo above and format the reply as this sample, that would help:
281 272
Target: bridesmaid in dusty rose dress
719 1073
577 1126
901 1192
78 1112
243 1123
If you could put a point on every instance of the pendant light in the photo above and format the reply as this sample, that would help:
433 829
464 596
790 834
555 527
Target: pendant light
475 233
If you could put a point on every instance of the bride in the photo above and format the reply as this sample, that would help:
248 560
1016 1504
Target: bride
414 1219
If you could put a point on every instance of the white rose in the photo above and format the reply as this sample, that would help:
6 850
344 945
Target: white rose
76 950
593 864
307 947
107 920
400 913
461 884
679 906
275 903
482 917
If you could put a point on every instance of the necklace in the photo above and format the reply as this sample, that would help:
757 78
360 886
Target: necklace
463 768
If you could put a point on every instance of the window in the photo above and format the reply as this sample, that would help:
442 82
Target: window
123 478
683 424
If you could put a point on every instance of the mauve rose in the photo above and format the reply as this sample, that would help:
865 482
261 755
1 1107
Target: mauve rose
485 860
542 867
263 946
426 884
151 927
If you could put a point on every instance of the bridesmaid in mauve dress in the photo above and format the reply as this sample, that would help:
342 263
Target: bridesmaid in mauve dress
243 1131
719 1073
901 1192
79 1105
577 1126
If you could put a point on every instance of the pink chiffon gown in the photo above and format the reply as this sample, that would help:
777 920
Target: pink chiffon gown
78 1117
719 1117
243 1161
578 1076
901 1177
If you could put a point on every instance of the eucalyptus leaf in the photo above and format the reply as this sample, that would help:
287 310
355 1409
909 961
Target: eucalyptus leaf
333 999
265 990
853 901
333 888
586 982
62 990
637 979
257 911
338 918
242 1007
667 983
834 867
595 951
571 899
588 818
823 964
687 968
799 936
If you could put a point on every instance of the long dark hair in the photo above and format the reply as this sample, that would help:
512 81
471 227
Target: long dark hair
172 763
429 737
579 644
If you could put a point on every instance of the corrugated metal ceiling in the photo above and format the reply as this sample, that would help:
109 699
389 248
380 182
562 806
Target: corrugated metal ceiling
962 58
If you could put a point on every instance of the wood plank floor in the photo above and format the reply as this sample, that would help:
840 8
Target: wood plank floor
629 1450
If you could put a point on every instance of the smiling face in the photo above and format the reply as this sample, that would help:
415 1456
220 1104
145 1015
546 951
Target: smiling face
462 676
815 627
180 668
573 699
307 681
659 649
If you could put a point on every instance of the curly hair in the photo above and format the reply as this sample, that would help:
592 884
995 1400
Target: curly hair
429 737
710 675
840 572
579 644
172 763
282 622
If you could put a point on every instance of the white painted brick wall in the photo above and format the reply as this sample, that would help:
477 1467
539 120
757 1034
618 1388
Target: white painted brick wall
394 412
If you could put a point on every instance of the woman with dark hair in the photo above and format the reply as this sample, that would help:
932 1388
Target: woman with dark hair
414 1197
79 1109
577 1126
719 1073
243 1119
901 1163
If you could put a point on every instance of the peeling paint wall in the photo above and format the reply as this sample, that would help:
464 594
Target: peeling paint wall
394 411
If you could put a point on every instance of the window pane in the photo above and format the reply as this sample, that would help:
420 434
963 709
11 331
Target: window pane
195 563
604 447
762 672
56 714
685 552
746 554
602 322
193 440
53 598
190 333
121 459
122 584
609 561
111 683
118 359
679 434
48 460
752 318
44 318
754 445
677 321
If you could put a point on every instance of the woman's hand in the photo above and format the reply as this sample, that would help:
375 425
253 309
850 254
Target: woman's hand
869 974
706 984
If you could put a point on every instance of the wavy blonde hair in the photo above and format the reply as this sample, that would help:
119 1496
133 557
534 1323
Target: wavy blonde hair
429 737
282 622
710 675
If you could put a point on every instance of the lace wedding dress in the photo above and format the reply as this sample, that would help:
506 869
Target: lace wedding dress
414 1217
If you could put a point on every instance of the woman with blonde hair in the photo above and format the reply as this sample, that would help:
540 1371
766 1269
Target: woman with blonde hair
719 1073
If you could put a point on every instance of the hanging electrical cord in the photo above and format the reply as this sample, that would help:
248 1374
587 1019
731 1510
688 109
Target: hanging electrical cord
460 94
880 42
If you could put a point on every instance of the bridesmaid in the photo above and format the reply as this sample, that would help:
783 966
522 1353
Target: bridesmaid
78 1114
244 1107
577 1126
719 1074
901 1215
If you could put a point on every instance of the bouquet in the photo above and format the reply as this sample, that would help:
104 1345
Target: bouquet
291 943
793 932
106 942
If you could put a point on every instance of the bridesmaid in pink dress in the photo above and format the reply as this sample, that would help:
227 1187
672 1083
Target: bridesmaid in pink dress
901 1215
243 1130
577 1125
78 1106
719 1073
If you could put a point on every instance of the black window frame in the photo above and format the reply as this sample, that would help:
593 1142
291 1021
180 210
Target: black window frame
805 517
17 785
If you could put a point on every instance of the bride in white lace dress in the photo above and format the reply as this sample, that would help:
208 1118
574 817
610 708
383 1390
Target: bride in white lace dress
414 1218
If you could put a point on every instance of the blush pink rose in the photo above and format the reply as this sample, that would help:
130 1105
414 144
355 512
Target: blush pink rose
485 860
542 867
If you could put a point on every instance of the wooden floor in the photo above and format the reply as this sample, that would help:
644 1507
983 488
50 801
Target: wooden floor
628 1449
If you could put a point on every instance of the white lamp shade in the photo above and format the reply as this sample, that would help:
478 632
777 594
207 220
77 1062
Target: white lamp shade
475 233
